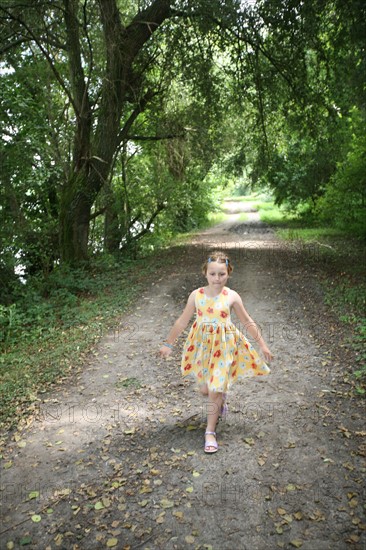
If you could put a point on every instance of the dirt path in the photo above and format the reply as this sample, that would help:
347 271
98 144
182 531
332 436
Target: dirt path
115 459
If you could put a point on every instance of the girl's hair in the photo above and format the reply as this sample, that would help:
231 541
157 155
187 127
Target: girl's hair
219 257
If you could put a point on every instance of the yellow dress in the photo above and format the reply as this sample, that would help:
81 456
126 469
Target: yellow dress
216 353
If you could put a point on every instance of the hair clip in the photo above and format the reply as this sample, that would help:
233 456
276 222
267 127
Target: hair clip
209 260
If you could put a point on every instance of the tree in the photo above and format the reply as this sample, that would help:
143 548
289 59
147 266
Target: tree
103 59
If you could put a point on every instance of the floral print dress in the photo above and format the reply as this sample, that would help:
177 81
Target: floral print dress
216 353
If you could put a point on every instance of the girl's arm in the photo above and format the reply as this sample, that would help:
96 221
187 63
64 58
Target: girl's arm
179 325
250 325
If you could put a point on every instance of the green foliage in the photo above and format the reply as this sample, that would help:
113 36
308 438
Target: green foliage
56 320
348 300
344 287
344 201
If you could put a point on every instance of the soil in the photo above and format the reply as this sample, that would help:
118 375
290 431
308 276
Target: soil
115 457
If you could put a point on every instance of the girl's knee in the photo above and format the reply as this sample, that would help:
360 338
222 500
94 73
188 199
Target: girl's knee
215 396
203 389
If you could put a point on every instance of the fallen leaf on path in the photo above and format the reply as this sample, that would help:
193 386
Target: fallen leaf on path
317 515
25 540
353 503
36 518
160 518
112 542
165 503
296 543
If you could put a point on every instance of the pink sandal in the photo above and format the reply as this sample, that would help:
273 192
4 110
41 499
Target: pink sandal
213 444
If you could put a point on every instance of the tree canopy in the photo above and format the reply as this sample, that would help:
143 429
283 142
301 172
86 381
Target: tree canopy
115 113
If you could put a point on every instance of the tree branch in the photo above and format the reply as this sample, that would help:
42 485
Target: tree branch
97 213
146 229
37 40
140 107
154 138
144 24
77 78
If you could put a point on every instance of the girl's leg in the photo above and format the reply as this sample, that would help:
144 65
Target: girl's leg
203 389
224 408
213 412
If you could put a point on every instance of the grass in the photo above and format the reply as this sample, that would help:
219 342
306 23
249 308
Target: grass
214 218
47 335
273 215
243 217
345 291
308 234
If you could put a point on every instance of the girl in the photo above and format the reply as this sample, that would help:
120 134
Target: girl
216 353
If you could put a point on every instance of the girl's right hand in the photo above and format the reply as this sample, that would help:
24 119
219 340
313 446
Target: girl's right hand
165 351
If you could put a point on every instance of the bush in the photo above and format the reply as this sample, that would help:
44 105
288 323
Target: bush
344 201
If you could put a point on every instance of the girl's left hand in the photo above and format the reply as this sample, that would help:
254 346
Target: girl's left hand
267 353
165 351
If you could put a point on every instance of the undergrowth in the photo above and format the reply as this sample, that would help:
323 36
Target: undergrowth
55 321
344 287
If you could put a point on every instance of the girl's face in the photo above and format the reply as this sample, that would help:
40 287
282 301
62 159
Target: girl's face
217 274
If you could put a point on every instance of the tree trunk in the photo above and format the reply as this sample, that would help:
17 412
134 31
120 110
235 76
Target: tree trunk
112 231
94 149
75 210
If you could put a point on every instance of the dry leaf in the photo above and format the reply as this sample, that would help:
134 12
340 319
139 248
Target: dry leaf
165 503
353 503
112 542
